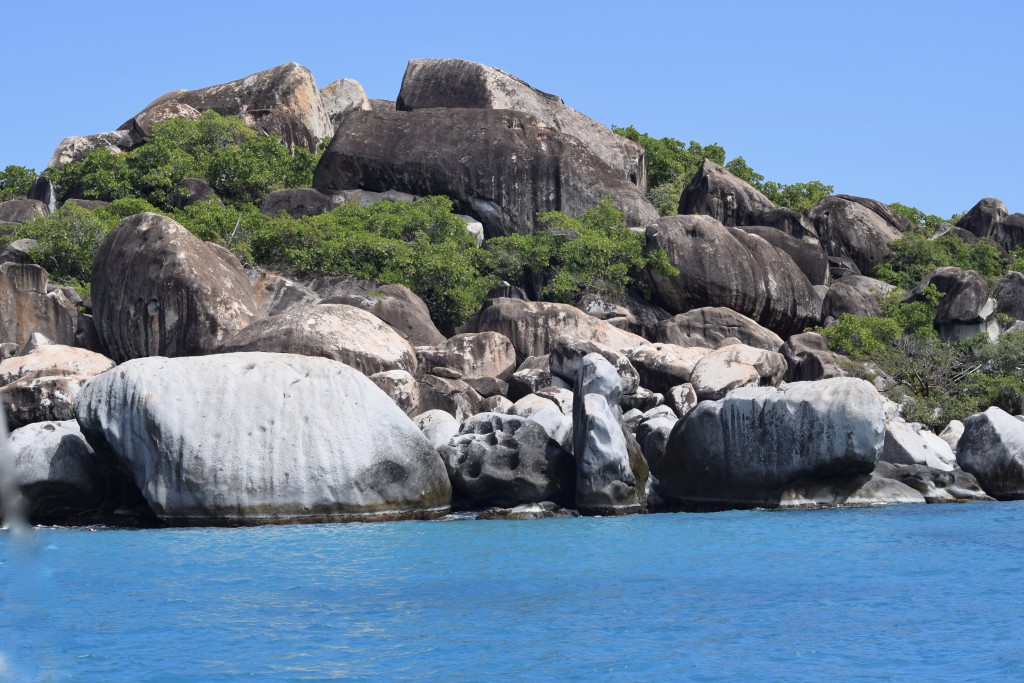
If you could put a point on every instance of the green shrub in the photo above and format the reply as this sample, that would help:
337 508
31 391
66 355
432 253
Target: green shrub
15 182
912 257
240 164
68 242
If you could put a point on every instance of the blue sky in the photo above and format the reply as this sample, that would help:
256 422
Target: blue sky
917 102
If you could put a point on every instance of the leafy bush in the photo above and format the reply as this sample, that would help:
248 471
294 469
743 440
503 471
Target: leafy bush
912 257
240 164
15 182
594 253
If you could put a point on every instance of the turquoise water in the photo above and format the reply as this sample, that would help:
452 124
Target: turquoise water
898 594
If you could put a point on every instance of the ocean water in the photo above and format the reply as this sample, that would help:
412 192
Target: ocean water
906 593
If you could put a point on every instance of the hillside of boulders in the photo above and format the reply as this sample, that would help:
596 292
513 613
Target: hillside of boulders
269 302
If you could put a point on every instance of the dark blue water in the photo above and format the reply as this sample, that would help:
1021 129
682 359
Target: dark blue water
904 594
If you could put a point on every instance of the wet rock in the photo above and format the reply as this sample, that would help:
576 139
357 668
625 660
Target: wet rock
526 511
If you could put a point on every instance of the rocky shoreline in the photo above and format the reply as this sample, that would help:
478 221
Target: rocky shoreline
189 389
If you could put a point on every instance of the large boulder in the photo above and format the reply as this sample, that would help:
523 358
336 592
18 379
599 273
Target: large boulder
992 449
742 450
966 308
473 355
458 84
736 365
299 202
157 290
860 490
806 253
567 355
664 366
141 125
22 210
76 147
990 219
53 360
506 460
27 307
395 304
857 295
283 100
906 444
402 387
276 294
727 267
1010 295
808 358
342 97
857 228
252 438
343 333
709 326
501 167
532 327
716 192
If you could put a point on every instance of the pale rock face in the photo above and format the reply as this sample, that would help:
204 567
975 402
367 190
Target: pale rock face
342 97
52 360
479 354
75 148
952 433
402 387
460 84
249 438
549 414
859 491
992 449
438 426
42 383
905 445
663 366
158 290
26 307
741 450
343 333
507 460
733 366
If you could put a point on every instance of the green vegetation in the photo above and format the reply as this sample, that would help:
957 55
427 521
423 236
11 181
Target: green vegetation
671 165
592 254
241 165
15 182
914 256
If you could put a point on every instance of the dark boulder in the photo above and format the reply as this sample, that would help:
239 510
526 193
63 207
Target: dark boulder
808 358
857 228
501 167
708 327
157 290
990 219
855 294
506 460
458 84
1009 295
992 449
727 267
965 309
298 202
188 191
22 210
716 192
806 253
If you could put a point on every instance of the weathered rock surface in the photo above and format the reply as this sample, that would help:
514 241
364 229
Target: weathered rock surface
716 192
438 426
952 433
739 451
141 125
455 83
735 366
75 148
450 395
532 327
682 399
936 485
966 308
857 228
22 210
727 267
506 460
567 355
1009 295
990 219
402 387
395 304
276 294
855 294
663 366
808 358
708 327
26 307
907 445
992 449
475 354
519 168
283 100
807 253
299 202
336 331
159 291
18 251
856 491
253 438
342 97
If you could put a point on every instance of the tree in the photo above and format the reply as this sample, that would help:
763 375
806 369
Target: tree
15 182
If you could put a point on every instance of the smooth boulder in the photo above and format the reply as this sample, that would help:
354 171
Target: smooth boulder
992 449
252 438
709 326
737 365
27 306
857 228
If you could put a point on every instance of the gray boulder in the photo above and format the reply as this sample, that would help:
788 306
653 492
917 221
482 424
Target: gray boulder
22 210
857 228
252 438
1009 294
738 365
907 445
402 387
990 219
966 308
159 291
473 355
682 399
342 97
663 366
458 84
727 267
299 202
716 192
276 294
808 358
952 433
567 355
992 449
189 191
141 125
936 485
855 294
395 304
450 395
18 251
506 460
76 147
743 449
520 167
343 333
438 426
806 253
861 490
708 327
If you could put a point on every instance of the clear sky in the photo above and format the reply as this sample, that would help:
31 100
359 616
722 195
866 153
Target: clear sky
916 102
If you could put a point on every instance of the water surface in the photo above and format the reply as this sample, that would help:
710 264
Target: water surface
899 594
